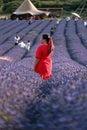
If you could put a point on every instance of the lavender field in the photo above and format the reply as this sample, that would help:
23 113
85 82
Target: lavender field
26 101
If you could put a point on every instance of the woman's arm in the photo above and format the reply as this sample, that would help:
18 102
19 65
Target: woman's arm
36 62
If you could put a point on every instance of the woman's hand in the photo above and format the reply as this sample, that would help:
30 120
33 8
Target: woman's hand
35 63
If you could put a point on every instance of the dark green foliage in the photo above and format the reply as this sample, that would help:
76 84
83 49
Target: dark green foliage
7 1
10 5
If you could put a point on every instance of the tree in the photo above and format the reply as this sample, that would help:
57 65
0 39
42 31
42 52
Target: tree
12 7
64 0
1 2
57 2
1 5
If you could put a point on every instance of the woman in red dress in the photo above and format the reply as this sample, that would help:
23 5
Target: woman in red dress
43 57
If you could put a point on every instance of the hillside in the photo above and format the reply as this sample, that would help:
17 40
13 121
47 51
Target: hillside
8 6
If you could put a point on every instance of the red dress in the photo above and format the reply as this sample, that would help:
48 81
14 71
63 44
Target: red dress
44 66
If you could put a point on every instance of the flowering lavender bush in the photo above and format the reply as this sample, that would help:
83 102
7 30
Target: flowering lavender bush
82 32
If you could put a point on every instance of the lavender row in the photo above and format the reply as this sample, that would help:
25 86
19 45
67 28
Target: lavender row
14 31
8 41
7 27
82 32
77 51
9 37
4 24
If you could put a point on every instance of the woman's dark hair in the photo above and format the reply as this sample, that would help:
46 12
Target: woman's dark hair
49 42
46 37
